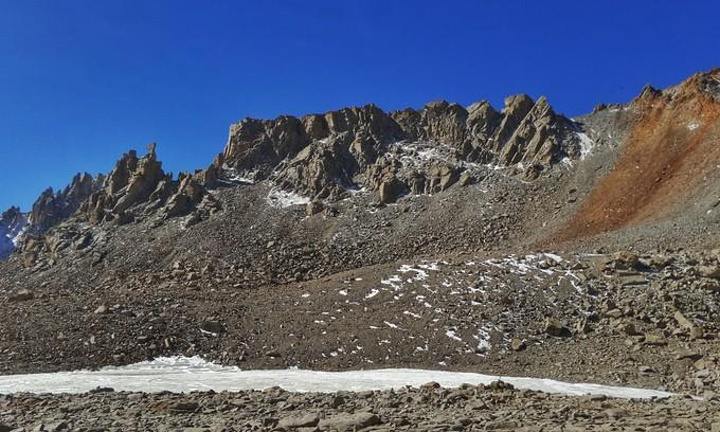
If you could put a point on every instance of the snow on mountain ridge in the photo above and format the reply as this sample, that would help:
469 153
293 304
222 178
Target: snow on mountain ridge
13 224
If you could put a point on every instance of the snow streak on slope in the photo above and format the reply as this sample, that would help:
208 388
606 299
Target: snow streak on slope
281 199
185 374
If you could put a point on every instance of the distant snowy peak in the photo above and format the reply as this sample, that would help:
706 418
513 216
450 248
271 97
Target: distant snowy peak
13 225
48 210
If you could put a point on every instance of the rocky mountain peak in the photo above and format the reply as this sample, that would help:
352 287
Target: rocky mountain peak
324 156
53 207
137 187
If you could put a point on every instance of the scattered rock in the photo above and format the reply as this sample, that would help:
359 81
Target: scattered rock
295 422
553 327
184 407
22 295
518 344
211 326
349 422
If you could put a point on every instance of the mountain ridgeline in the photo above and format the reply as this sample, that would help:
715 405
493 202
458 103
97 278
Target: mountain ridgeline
323 159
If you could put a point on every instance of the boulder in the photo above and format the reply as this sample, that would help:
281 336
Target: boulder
299 421
553 327
390 190
518 344
22 295
184 407
709 271
212 326
349 422
314 207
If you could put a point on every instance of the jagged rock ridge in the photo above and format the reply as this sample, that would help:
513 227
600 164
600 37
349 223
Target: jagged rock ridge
328 157
52 207
136 188
325 156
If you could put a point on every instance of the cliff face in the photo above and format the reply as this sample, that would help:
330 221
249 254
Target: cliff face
325 156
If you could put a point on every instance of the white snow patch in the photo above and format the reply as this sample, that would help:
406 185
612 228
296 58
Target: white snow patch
451 334
209 333
586 144
557 258
393 281
693 125
483 340
372 293
239 179
186 374
281 199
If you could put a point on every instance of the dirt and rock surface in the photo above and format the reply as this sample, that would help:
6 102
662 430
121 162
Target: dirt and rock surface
513 242
468 408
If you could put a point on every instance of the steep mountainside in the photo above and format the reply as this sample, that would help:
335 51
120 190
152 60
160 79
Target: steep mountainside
467 238
669 165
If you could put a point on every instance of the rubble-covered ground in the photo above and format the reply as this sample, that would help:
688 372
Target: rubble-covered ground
645 320
430 408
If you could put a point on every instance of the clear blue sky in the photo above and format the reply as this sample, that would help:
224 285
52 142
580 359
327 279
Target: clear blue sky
83 81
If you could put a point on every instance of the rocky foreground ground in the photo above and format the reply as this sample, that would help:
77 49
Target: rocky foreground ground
621 319
430 408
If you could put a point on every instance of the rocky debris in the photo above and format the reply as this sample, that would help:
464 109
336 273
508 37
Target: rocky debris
184 407
469 408
486 314
211 326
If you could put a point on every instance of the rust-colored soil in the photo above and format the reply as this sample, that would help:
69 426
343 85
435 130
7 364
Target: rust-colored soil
671 153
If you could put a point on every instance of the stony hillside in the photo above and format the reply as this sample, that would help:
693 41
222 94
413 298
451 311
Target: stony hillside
466 238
